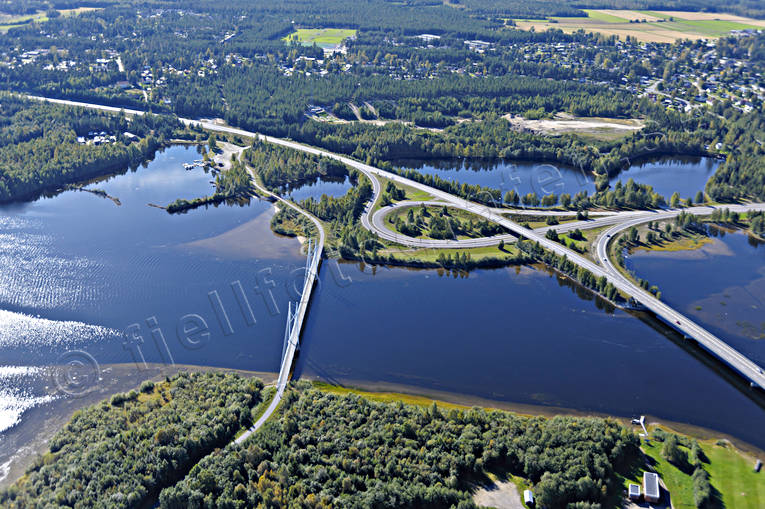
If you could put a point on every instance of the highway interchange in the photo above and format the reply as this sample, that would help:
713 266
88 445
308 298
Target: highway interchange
621 221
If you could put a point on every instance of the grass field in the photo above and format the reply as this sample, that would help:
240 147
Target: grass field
7 22
386 397
603 16
683 242
411 194
323 37
733 475
649 26
462 215
730 472
510 253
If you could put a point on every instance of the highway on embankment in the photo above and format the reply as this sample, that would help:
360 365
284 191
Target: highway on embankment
715 345
706 339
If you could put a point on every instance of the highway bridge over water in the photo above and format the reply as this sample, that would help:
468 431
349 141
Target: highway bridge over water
603 267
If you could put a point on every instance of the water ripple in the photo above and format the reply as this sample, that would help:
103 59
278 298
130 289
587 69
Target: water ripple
18 329
36 277
15 396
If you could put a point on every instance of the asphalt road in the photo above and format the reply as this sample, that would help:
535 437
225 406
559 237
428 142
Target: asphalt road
709 341
296 327
727 354
379 227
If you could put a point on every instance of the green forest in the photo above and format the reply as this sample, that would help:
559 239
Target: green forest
170 444
39 150
231 185
230 61
431 80
123 451
435 99
345 451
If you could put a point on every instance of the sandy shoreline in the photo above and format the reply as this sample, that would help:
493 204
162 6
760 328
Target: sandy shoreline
22 443
25 442
468 400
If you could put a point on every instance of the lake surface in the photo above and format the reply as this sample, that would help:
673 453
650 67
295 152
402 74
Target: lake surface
515 335
334 187
86 281
721 286
685 175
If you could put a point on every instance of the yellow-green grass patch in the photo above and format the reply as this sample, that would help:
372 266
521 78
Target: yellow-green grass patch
386 397
731 473
510 253
11 21
322 37
601 15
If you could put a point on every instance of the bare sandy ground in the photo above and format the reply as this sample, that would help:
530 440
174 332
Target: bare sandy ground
500 495
705 16
566 124
643 32
226 151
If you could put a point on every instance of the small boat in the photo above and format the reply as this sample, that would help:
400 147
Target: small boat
188 166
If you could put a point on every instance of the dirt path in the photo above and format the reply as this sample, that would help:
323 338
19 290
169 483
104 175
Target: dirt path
226 151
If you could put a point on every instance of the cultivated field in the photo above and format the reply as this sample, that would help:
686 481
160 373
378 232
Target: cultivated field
649 26
323 37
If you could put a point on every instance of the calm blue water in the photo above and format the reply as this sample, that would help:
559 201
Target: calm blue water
686 175
334 187
78 271
721 286
515 335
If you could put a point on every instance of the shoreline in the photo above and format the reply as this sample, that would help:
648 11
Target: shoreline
31 437
427 396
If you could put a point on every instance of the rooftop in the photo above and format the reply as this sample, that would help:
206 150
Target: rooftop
651 484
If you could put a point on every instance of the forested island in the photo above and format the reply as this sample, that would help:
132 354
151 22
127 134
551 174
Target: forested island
232 184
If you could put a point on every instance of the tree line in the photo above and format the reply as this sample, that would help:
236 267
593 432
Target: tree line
121 452
562 264
230 185
39 150
325 450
